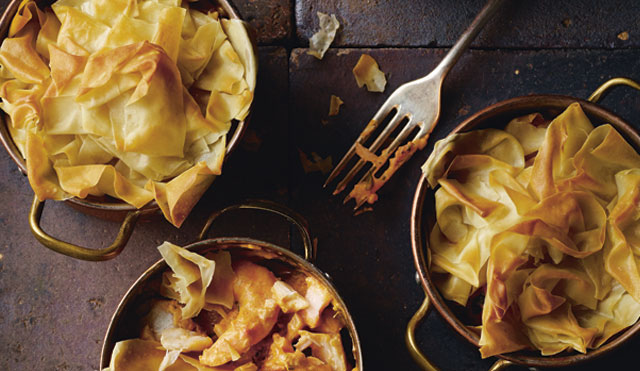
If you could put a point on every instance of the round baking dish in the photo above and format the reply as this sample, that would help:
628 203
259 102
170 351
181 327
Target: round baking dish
423 219
104 207
125 321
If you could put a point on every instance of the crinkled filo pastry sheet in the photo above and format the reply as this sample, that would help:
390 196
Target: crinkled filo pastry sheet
221 313
543 220
126 98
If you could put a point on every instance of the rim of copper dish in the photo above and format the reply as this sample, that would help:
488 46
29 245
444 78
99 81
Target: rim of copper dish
253 247
510 108
104 203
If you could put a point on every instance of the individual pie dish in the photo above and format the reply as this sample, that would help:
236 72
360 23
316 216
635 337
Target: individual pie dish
123 107
577 164
233 304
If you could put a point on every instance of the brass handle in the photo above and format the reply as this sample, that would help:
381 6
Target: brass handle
502 364
270 206
410 337
418 357
602 89
79 252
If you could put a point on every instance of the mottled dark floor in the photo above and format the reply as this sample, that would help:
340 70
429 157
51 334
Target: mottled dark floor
54 310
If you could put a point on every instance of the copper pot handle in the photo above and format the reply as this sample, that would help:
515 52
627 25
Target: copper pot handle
275 208
410 336
79 252
418 357
602 89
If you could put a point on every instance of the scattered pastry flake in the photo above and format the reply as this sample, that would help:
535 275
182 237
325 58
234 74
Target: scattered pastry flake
316 163
368 73
320 41
334 105
363 210
624 36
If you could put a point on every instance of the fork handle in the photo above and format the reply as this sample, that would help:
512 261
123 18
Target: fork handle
467 37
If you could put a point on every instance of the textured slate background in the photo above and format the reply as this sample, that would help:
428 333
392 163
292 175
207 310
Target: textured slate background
54 310
519 24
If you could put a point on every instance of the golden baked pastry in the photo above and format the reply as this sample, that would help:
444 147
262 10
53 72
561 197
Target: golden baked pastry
543 220
270 323
126 98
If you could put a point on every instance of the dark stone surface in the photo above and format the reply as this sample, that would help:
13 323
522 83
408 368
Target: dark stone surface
520 24
480 78
272 19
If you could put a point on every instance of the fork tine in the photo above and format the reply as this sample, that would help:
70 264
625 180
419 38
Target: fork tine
348 156
423 97
391 126
359 204
404 134
382 113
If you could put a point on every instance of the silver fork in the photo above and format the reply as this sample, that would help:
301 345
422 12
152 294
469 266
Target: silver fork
418 104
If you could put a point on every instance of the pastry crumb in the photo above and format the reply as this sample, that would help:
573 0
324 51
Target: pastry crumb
334 105
320 41
367 72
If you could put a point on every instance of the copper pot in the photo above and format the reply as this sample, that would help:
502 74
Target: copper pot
125 321
423 219
102 207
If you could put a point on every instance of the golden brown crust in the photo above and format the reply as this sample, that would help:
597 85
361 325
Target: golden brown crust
553 241
101 83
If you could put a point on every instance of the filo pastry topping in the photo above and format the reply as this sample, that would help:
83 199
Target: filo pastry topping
543 219
271 323
131 99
